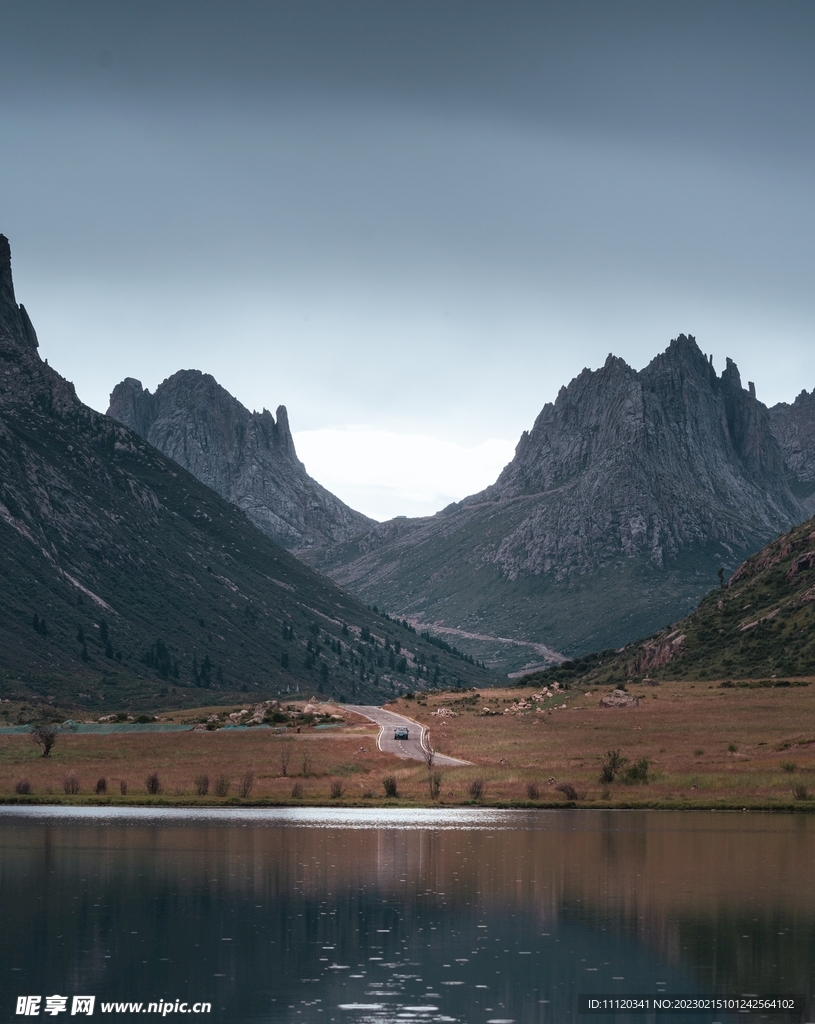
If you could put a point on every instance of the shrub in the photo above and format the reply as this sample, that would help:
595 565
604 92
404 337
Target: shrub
637 773
337 789
201 783
533 791
476 789
153 783
123 787
434 782
611 765
306 769
23 787
101 786
800 792
788 766
567 789
698 752
297 791
246 784
732 747
391 787
222 785
71 784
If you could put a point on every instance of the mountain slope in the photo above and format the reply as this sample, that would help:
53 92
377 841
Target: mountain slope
760 626
128 583
620 505
248 458
793 426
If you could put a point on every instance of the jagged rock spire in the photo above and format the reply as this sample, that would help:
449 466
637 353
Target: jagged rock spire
15 325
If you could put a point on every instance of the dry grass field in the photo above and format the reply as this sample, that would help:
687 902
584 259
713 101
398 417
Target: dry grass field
704 745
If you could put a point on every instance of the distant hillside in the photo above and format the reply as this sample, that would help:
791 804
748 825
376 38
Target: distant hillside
629 493
127 583
761 626
248 458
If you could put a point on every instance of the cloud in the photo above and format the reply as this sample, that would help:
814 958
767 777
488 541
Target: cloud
386 474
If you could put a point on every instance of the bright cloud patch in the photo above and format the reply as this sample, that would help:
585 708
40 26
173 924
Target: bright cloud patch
386 475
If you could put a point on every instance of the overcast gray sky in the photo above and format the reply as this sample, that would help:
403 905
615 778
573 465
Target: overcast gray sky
408 220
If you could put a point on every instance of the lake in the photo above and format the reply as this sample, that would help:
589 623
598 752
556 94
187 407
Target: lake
357 916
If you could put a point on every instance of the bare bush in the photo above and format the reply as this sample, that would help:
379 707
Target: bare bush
434 783
201 783
533 791
23 787
337 789
391 786
285 757
153 784
246 784
476 789
123 787
222 785
297 791
101 786
567 789
45 736
71 784
306 769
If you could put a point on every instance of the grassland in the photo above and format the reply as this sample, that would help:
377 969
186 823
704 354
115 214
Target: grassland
705 746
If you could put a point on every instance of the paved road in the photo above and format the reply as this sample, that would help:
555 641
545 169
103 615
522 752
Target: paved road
412 748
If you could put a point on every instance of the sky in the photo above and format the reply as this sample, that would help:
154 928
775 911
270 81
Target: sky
409 222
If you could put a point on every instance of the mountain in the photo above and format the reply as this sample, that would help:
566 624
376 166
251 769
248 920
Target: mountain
248 458
793 426
127 583
629 493
760 627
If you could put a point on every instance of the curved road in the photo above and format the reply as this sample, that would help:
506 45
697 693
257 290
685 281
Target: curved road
413 748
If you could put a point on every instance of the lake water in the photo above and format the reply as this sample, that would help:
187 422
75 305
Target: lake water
378 916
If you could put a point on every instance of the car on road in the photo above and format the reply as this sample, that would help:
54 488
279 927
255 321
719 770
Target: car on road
401 732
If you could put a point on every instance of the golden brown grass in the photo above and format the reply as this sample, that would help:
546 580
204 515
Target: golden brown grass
705 746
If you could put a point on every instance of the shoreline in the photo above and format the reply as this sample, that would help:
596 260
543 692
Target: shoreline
381 803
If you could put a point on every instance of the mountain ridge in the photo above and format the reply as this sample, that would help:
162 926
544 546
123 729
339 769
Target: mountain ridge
621 503
248 458
127 583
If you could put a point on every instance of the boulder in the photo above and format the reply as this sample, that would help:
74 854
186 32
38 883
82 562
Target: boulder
619 699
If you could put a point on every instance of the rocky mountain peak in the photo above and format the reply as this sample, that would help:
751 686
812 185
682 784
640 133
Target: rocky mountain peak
26 378
622 501
16 328
247 457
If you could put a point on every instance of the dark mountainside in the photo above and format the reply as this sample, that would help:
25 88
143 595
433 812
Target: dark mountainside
127 583
248 458
621 504
759 628
794 428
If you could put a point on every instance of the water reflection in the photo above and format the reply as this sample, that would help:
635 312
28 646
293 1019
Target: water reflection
471 916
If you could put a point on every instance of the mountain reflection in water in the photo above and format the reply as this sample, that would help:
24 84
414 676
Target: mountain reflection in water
374 916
